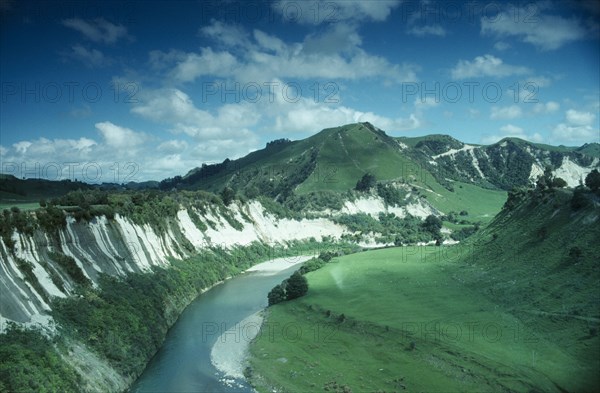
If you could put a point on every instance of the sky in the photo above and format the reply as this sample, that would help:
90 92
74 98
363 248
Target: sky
143 90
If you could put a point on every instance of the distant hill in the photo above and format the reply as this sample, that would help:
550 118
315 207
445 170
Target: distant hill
508 163
336 158
14 190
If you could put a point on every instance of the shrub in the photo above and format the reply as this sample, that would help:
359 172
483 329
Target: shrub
297 286
592 180
366 182
579 199
276 295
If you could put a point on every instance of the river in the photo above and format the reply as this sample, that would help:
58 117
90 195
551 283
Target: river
226 315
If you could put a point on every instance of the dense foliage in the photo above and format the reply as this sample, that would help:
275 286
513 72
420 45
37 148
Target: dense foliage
297 286
125 319
30 362
407 230
366 182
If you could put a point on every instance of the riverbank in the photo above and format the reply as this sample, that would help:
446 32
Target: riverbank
277 265
230 352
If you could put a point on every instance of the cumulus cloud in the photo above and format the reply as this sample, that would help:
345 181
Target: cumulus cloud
92 58
579 127
548 107
333 54
486 66
507 112
531 25
207 62
421 31
177 109
512 131
324 11
578 118
501 46
97 30
120 137
119 155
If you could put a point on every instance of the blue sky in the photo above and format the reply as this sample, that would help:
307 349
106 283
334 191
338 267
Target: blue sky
119 91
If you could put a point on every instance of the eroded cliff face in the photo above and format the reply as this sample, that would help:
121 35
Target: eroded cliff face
43 265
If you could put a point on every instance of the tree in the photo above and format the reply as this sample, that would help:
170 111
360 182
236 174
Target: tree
367 182
227 195
276 295
545 181
432 224
592 180
297 286
559 182
579 200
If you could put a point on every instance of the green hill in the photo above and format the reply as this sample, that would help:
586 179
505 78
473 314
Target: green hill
329 164
513 309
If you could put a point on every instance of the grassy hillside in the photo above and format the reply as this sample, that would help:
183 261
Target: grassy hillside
332 161
514 309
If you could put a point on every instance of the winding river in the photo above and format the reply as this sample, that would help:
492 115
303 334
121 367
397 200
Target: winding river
221 321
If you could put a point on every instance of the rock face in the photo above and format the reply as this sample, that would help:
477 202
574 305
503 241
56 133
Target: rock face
43 265
506 164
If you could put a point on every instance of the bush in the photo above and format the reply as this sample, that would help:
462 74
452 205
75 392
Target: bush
390 195
579 199
276 295
366 182
592 180
29 362
297 286
558 182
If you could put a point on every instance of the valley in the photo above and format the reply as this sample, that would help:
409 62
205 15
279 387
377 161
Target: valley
449 272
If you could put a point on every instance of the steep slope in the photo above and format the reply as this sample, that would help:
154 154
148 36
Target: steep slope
515 308
38 263
328 164
538 259
508 163
334 159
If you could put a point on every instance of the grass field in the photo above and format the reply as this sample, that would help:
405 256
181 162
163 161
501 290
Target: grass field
408 324
20 205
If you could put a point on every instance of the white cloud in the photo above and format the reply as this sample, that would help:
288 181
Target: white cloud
578 118
230 35
507 112
548 107
268 58
112 159
306 115
324 11
501 46
207 62
580 127
21 147
538 81
421 31
92 58
98 30
512 131
531 25
565 133
341 38
160 60
177 109
333 54
120 137
173 146
486 65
